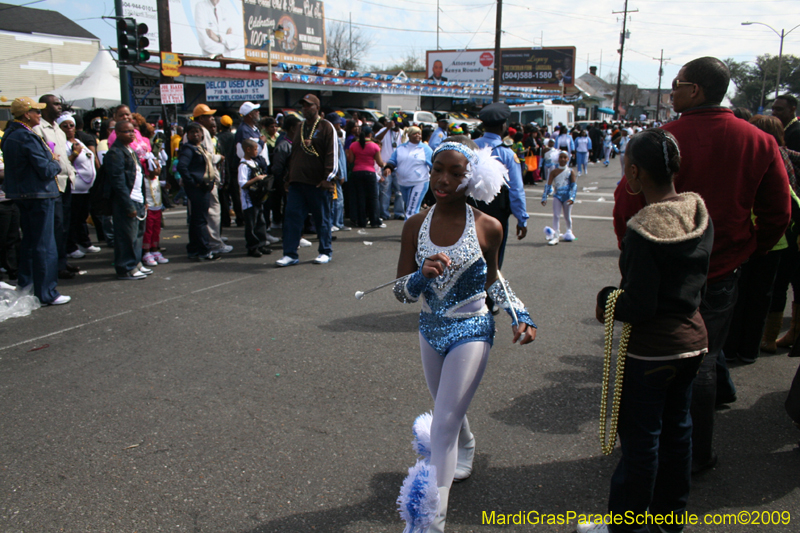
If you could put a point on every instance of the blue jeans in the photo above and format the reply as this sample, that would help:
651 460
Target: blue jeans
655 430
128 236
301 200
388 187
38 255
413 196
337 207
583 158
713 380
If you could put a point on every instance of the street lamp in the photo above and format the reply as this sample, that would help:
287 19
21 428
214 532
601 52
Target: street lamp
278 34
782 34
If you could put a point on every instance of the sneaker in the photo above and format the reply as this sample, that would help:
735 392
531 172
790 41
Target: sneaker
132 274
144 270
160 259
225 249
254 253
591 527
553 241
549 233
304 243
65 274
73 268
223 239
334 228
378 226
286 261
569 236
345 228
89 249
272 239
149 260
322 259
210 256
77 254
266 250
61 300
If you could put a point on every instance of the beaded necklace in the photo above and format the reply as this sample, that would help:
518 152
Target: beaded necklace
306 143
790 123
52 154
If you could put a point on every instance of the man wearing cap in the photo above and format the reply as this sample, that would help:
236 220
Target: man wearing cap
230 193
54 137
439 134
204 116
312 169
512 198
31 170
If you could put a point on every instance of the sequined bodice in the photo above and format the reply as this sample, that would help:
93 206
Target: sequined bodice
465 279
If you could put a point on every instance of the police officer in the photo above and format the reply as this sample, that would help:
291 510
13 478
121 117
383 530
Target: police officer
512 197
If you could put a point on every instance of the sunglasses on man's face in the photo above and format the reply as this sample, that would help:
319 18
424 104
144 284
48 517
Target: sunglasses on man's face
678 83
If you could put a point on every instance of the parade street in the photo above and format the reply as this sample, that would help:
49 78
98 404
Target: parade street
233 396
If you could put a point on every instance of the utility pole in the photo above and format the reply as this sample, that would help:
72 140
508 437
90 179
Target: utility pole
660 73
165 45
497 33
621 52
352 64
437 25
124 89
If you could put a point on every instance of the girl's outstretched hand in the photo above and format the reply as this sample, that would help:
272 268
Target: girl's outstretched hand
434 266
523 333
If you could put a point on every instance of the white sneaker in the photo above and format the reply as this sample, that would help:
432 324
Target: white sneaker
160 259
144 270
553 241
77 254
90 250
61 300
149 260
225 249
272 239
286 261
345 228
322 259
304 243
334 228
591 527
132 275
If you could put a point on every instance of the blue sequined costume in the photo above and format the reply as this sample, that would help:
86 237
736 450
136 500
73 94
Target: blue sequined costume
462 283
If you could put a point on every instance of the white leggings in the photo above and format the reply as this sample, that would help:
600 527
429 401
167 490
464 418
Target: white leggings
558 205
452 381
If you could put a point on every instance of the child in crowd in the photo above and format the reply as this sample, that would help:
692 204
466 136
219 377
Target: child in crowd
563 185
252 169
448 260
664 264
151 251
549 158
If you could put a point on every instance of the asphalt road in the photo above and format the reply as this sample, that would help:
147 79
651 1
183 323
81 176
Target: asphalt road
236 397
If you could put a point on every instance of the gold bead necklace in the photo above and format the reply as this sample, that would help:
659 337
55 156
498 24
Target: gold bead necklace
309 149
611 303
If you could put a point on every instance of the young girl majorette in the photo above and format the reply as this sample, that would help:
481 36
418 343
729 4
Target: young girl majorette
563 185
448 256
664 264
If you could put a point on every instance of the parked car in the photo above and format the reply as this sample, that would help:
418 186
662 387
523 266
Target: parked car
459 118
368 115
419 118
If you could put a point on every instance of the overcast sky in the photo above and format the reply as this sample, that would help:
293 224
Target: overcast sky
684 29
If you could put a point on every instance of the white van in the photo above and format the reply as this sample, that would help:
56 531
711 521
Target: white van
544 114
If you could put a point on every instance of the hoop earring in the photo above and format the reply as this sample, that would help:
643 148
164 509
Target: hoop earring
627 183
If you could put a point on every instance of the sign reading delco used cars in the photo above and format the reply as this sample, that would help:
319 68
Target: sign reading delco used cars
544 67
303 24
237 90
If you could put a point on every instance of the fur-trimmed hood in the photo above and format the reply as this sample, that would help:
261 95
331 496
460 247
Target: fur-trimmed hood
673 221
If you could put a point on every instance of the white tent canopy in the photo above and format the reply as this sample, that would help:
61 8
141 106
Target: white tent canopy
96 86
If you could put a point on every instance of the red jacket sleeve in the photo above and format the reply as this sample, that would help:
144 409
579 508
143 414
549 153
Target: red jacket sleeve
772 206
625 206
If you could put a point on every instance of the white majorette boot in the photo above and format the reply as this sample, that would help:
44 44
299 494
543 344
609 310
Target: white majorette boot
441 516
419 502
569 236
549 233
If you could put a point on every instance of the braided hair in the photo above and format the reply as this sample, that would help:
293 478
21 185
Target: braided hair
656 152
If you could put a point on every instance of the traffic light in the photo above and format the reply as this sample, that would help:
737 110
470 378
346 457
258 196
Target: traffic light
142 42
127 40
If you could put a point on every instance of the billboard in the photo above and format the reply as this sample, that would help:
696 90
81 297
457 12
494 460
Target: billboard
464 66
543 67
238 29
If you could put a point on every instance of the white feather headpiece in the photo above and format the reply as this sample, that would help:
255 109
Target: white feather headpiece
485 174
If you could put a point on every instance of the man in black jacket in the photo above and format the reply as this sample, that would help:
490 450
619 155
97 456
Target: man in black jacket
785 108
125 188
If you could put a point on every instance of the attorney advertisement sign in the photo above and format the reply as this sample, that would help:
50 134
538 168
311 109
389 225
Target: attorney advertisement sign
464 66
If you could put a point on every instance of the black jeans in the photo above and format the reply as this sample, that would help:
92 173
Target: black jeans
63 215
365 198
713 379
78 229
198 226
255 227
752 306
10 239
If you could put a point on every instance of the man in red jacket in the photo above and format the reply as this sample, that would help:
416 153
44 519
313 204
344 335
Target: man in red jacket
738 170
